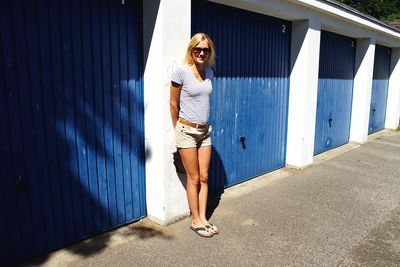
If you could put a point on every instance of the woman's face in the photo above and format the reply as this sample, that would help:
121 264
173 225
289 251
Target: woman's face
201 52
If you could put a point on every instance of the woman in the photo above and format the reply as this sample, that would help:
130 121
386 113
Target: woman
190 109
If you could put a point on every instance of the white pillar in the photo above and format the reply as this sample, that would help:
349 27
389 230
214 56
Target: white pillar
166 34
364 69
393 102
306 37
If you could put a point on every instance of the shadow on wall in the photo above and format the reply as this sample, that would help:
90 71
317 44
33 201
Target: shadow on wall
217 181
150 10
71 115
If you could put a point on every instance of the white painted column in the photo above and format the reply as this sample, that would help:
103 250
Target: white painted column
364 69
393 102
306 37
166 35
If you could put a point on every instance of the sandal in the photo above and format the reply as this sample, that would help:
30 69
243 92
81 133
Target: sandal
200 231
213 228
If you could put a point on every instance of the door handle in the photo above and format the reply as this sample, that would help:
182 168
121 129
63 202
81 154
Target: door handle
242 139
21 184
330 122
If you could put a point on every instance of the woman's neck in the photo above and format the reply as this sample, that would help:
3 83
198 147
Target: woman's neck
200 67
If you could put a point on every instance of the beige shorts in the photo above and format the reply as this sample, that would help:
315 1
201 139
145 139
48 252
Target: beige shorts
187 137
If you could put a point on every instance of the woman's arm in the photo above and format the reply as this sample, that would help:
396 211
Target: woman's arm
175 93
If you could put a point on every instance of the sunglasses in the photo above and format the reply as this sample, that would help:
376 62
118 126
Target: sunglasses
198 50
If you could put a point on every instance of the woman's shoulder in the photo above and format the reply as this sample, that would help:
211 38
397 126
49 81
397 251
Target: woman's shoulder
179 74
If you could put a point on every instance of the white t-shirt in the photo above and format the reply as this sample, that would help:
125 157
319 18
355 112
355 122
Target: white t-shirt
195 95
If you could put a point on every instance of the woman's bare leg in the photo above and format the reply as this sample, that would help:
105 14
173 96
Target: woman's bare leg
191 163
204 156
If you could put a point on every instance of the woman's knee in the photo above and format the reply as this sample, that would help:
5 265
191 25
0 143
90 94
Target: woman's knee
204 177
193 179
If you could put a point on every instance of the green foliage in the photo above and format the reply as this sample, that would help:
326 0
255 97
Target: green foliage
392 17
385 10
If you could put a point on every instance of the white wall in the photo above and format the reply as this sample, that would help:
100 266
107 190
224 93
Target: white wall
306 37
393 104
365 54
168 33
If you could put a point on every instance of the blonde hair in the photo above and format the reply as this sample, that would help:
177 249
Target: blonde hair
196 39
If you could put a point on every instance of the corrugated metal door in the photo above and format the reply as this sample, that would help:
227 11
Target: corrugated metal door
249 103
71 116
335 91
380 85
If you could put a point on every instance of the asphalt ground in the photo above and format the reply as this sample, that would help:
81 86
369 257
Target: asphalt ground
343 210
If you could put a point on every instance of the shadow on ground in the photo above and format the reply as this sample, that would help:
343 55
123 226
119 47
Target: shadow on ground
142 230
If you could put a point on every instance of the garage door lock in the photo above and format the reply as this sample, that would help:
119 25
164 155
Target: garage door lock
242 139
21 184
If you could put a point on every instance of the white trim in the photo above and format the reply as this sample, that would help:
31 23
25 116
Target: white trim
365 54
170 33
332 18
306 37
343 14
393 102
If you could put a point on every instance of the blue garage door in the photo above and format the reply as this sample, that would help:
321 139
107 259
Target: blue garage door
71 122
249 103
335 91
380 85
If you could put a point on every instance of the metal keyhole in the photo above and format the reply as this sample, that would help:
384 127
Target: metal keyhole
373 112
242 139
330 122
21 184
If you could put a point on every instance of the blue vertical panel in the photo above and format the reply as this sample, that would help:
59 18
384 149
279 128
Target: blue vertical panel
249 102
52 183
96 130
55 122
380 84
335 91
135 107
88 151
78 128
43 217
125 184
16 80
7 214
70 168
108 188
71 116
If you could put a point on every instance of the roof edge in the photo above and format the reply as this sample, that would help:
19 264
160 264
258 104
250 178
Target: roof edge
360 14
